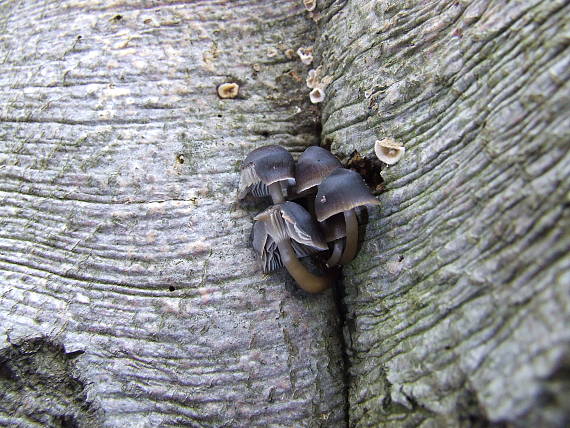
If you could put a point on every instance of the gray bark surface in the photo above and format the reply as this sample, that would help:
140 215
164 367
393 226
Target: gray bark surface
129 293
458 305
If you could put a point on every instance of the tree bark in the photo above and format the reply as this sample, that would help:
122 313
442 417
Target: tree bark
457 307
125 260
129 293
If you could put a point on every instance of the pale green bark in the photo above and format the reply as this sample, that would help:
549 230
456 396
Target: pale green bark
458 306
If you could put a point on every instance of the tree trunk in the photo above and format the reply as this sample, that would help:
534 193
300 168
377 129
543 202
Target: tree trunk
121 237
129 292
457 308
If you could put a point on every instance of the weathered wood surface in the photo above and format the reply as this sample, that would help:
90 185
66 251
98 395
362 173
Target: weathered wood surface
120 236
458 306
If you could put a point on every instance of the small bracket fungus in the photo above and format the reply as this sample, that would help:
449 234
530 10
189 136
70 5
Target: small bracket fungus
306 55
263 171
228 90
289 221
317 95
310 5
341 192
388 150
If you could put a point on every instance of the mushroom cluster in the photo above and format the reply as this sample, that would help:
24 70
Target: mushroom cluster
323 220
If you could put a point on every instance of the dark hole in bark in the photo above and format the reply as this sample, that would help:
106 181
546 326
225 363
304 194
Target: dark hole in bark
74 354
39 374
220 115
117 18
68 421
318 128
369 169
171 288
180 158
265 134
327 143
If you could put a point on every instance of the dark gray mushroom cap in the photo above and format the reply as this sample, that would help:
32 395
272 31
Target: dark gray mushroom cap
264 166
314 164
334 228
291 221
341 191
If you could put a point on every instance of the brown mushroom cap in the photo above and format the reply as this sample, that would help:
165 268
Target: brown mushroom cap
291 221
264 166
314 164
341 191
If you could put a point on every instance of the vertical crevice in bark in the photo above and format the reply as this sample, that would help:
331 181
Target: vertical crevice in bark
338 295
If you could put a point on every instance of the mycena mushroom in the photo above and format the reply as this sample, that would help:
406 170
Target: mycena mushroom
267 250
334 231
287 221
263 172
313 166
341 192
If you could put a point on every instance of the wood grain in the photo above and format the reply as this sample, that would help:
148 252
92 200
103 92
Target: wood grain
120 233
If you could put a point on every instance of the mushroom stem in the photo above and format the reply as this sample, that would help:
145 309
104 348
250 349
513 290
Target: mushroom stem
336 253
276 193
306 280
351 246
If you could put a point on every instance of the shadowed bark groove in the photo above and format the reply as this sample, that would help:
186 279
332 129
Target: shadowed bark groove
120 234
458 303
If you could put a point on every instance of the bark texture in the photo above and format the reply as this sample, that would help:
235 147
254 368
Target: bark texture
458 305
129 294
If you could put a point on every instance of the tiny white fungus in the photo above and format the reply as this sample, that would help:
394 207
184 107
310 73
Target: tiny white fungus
313 79
317 95
228 90
310 4
388 150
306 55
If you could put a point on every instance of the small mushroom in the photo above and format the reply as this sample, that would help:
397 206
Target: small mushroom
334 229
317 95
267 250
289 221
263 172
306 55
314 164
313 78
388 150
228 90
341 192
310 5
